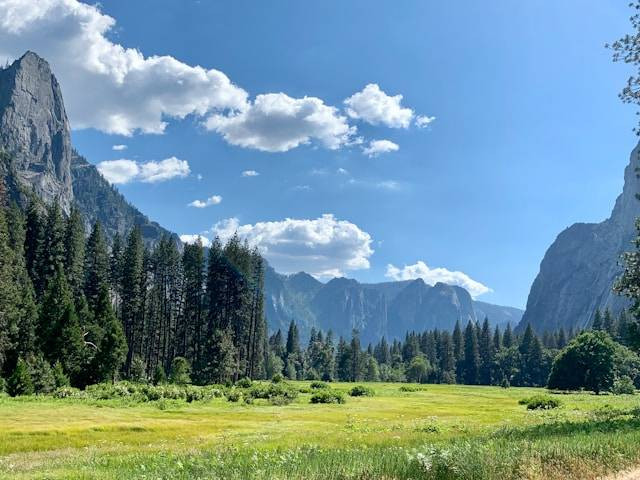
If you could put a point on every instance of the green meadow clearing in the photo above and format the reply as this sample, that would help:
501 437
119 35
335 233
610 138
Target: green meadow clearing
438 431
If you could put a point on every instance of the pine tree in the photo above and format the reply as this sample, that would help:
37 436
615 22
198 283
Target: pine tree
54 242
486 351
34 247
597 321
507 338
112 349
20 382
131 304
74 253
96 266
471 363
458 351
609 324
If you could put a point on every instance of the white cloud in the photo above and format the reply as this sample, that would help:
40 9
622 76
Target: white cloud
106 85
378 147
323 247
432 276
186 238
125 171
423 121
119 148
213 200
374 106
342 171
275 122
199 176
250 173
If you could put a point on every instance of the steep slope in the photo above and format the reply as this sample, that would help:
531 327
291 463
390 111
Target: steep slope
579 269
35 135
34 130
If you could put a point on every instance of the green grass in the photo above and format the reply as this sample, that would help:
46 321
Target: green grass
440 431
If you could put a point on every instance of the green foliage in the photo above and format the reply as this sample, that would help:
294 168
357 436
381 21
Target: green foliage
20 382
277 378
540 402
587 362
362 391
318 385
159 375
42 375
60 378
411 388
180 371
244 383
234 395
328 396
418 370
138 370
623 386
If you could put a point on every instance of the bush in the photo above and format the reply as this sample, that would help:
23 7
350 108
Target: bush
138 369
540 402
69 392
275 393
244 383
42 375
318 384
411 388
328 396
623 386
3 385
234 395
362 391
277 378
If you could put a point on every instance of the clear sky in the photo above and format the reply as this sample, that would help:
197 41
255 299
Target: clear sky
528 136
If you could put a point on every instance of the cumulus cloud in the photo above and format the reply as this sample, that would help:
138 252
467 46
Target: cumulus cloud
125 171
323 247
192 239
423 121
213 200
378 147
374 106
135 92
431 276
275 122
250 173
342 171
119 148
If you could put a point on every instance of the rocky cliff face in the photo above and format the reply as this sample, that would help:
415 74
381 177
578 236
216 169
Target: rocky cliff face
35 135
34 129
579 269
388 309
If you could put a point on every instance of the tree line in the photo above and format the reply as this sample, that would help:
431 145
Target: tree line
74 310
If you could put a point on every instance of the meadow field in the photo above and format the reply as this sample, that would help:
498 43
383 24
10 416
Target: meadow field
434 431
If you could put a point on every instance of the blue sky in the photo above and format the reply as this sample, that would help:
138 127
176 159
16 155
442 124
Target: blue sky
529 135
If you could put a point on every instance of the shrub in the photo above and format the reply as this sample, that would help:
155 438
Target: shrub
540 402
277 378
328 396
234 395
623 386
411 388
244 383
275 393
362 391
20 383
69 392
138 370
180 371
3 385
318 384
505 383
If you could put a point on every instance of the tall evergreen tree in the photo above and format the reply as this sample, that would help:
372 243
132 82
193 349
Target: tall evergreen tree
471 363
96 266
112 349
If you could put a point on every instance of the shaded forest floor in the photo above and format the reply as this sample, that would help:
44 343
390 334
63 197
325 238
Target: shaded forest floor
437 431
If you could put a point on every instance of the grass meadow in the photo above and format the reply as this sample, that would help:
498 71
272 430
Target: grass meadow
437 431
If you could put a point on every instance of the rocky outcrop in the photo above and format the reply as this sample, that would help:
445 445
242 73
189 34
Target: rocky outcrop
579 269
35 136
34 130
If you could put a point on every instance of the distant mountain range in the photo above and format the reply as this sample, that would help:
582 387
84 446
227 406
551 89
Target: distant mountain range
388 309
35 133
